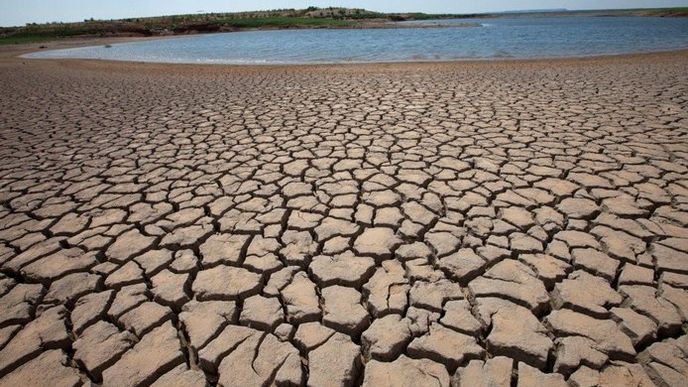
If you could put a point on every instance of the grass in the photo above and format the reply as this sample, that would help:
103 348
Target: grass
150 27
25 39
678 11
283 22
37 36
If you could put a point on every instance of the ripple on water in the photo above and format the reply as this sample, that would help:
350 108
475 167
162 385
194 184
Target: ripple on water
524 37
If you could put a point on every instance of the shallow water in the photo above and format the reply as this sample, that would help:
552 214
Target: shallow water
523 37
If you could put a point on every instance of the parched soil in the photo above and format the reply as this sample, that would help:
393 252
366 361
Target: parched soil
480 223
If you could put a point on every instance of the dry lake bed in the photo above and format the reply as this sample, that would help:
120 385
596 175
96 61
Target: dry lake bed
469 223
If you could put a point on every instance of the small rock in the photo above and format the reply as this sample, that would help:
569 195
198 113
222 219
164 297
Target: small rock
210 356
386 338
18 303
259 359
60 264
636 275
639 328
420 320
223 249
129 274
48 369
284 332
595 262
532 377
518 216
145 317
412 251
153 261
344 269
100 346
578 207
614 374
225 283
168 288
644 300
433 295
549 270
574 351
518 334
405 372
126 299
68 288
157 353
300 299
605 333
342 310
463 265
387 289
185 261
330 227
311 335
337 362
512 280
585 293
181 376
261 313
129 245
457 316
203 320
377 242
49 330
495 372
524 243
668 259
445 346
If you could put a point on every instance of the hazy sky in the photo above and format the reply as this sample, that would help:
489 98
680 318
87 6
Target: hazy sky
19 12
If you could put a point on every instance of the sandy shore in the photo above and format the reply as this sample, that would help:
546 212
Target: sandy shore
381 224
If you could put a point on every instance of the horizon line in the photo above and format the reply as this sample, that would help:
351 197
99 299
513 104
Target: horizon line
202 12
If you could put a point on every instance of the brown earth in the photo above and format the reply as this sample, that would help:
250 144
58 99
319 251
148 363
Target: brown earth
473 223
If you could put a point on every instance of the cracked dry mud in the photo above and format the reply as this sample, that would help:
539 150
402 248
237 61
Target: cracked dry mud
467 224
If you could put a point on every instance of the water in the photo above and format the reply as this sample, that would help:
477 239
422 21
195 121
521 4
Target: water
522 37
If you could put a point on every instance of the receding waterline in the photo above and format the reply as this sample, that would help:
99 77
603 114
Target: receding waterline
517 38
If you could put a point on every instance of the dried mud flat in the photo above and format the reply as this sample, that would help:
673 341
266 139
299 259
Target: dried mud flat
472 224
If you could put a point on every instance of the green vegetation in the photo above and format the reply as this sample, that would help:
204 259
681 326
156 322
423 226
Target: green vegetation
285 22
184 24
24 39
311 17
664 12
658 12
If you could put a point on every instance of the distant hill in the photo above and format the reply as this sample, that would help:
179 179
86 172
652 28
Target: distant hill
533 11
660 12
311 17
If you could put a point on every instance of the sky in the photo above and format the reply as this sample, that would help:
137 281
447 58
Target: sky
20 12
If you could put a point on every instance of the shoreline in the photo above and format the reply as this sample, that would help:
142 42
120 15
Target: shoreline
358 63
25 49
357 25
